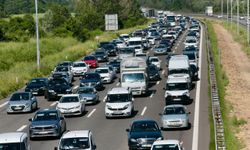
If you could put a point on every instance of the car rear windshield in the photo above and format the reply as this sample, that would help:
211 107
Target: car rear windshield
102 70
79 65
85 90
113 98
144 126
74 143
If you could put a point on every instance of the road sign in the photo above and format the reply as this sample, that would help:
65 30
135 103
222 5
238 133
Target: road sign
111 22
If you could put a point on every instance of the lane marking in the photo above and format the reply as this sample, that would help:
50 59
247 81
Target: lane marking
2 105
163 72
158 82
144 110
53 104
195 144
104 98
75 87
175 48
21 128
118 83
152 95
89 115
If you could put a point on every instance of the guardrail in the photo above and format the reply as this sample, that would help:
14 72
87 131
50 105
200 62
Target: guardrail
216 112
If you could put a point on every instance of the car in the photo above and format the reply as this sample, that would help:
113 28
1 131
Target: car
119 103
91 61
175 116
56 88
151 40
47 123
36 86
161 49
70 105
88 94
14 141
119 43
155 35
77 139
65 63
191 41
115 63
79 68
192 57
63 75
101 55
92 79
110 49
66 70
124 37
22 102
107 73
172 33
156 61
167 42
170 38
153 72
167 145
143 133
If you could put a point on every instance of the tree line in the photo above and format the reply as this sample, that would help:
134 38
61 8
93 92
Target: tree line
84 20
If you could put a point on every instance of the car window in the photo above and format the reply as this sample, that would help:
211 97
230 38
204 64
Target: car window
166 147
174 110
74 143
102 70
144 126
40 116
19 96
69 99
85 90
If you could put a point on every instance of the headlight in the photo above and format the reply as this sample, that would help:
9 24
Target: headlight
109 107
77 107
51 91
126 106
27 104
186 93
133 140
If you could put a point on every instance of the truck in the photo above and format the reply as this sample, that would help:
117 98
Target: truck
209 11
136 43
134 75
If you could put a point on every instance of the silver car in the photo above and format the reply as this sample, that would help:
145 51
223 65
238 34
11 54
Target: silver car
88 94
22 102
175 116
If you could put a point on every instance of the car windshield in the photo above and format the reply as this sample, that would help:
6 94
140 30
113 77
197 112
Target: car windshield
102 70
91 76
114 63
126 51
178 71
86 90
74 143
113 98
190 48
144 126
174 110
19 97
89 58
152 68
166 147
79 65
133 77
161 46
37 82
61 69
177 86
40 116
12 146
57 82
191 56
135 42
69 99
190 41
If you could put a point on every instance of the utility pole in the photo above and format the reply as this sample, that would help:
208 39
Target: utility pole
37 38
222 8
247 21
238 16
227 11
231 12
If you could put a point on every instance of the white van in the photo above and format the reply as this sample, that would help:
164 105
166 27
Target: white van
179 64
136 43
14 141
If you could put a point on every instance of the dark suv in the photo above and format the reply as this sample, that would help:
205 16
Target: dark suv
142 134
92 79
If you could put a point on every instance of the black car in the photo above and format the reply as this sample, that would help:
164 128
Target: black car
153 73
65 63
37 86
92 79
115 63
110 49
56 88
142 134
101 55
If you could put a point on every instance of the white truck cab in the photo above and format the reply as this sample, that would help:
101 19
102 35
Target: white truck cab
136 43
14 141
119 103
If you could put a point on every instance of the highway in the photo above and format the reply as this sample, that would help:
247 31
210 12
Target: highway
110 134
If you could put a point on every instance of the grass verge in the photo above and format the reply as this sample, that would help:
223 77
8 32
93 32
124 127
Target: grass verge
232 142
53 50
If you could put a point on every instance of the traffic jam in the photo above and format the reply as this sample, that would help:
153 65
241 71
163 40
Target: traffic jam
126 69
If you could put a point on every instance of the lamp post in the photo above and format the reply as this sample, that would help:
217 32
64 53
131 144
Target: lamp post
222 8
247 21
37 38
238 16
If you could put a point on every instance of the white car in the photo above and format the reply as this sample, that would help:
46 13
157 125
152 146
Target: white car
78 139
14 141
107 73
71 104
79 68
151 40
173 33
156 61
191 41
124 37
167 144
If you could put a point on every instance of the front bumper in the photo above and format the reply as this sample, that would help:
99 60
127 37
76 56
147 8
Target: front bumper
174 124
70 112
118 113
177 99
18 109
34 133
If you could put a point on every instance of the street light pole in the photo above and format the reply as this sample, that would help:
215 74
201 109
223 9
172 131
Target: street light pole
227 11
37 38
247 21
231 13
238 16
222 8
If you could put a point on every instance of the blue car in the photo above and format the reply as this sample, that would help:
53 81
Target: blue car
47 123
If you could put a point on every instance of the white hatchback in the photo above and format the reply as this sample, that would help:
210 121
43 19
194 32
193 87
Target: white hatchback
79 68
167 144
156 61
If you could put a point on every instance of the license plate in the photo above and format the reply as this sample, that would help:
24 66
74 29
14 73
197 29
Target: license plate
44 132
35 92
174 123
146 145
60 94
117 112
18 108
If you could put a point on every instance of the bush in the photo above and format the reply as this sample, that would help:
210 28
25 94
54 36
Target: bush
62 32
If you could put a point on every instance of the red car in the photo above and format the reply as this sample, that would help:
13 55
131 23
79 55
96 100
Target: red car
91 61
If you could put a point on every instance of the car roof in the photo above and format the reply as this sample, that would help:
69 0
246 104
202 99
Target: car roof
119 90
159 142
70 95
12 137
76 133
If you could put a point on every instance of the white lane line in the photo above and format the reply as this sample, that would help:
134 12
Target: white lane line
118 83
163 72
144 110
75 87
91 113
147 52
195 144
158 82
53 104
152 95
2 105
104 99
175 48
21 128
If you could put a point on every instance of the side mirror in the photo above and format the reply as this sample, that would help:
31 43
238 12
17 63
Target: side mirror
160 114
127 130
133 99
94 146
61 118
30 119
55 148
189 113
164 88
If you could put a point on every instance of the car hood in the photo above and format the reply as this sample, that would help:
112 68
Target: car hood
43 123
136 135
174 117
89 80
87 95
68 105
18 102
118 105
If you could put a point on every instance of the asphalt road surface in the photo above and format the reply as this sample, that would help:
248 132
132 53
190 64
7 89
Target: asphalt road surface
110 134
